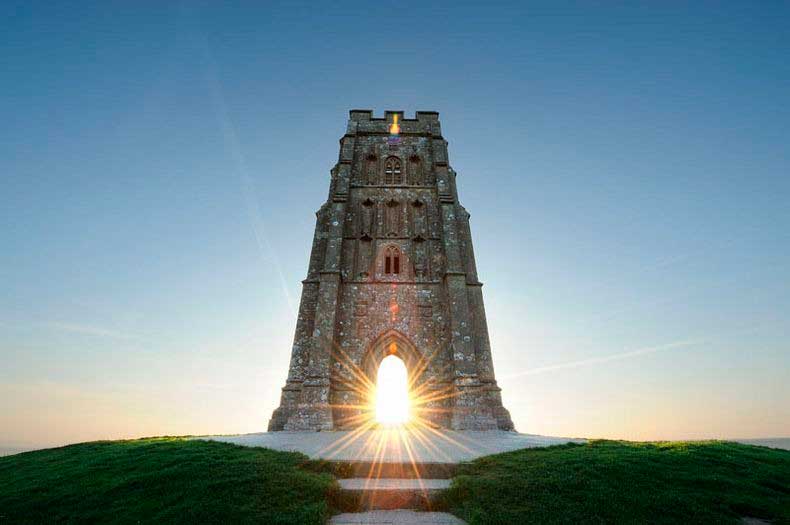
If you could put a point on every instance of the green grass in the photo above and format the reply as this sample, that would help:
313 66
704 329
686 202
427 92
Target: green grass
165 480
622 482
172 480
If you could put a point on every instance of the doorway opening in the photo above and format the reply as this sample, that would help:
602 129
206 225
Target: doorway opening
392 392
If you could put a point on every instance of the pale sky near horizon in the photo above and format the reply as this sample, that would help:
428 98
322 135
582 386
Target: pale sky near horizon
626 167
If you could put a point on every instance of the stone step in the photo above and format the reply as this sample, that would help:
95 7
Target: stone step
369 469
390 493
395 517
393 484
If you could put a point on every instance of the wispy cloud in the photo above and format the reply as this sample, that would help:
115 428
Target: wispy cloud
608 358
233 147
85 329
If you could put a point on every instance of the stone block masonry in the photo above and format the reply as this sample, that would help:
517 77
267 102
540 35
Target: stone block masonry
392 272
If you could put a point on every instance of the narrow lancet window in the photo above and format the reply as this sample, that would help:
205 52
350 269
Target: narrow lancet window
392 261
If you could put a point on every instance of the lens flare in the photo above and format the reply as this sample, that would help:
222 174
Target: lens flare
392 392
394 421
394 127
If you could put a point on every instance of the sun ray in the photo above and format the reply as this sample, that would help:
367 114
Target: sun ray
348 439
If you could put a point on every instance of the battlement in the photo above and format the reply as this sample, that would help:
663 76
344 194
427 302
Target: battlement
361 115
424 122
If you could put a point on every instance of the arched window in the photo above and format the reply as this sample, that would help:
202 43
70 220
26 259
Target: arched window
392 261
393 174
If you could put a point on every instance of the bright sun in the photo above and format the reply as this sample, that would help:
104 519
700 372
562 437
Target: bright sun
392 392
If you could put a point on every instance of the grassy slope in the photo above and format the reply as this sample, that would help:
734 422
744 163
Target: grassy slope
176 480
621 482
163 480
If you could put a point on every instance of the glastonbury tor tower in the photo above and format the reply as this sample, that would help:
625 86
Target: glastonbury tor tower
392 272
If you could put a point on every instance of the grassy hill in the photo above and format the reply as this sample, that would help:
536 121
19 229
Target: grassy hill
161 480
171 480
622 482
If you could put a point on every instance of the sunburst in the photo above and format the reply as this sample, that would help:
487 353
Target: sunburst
395 419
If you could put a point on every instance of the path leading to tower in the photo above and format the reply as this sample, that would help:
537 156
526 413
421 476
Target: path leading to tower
419 445
376 492
395 517
394 476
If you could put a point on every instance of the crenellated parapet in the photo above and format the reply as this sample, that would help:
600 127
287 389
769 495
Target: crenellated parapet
425 123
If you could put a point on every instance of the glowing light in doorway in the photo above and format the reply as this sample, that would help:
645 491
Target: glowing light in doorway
392 392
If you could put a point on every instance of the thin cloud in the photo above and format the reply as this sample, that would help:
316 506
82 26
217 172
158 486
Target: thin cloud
233 147
84 329
608 358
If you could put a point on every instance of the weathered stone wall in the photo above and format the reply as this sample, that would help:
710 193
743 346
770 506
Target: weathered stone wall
391 197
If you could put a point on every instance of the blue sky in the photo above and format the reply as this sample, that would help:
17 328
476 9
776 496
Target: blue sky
626 167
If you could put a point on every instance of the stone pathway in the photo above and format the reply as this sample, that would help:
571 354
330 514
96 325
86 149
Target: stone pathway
396 517
394 484
376 493
393 474
407 446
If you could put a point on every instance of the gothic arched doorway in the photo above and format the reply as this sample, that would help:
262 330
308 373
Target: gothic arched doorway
401 364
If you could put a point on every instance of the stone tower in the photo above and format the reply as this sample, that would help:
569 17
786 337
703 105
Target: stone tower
392 271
